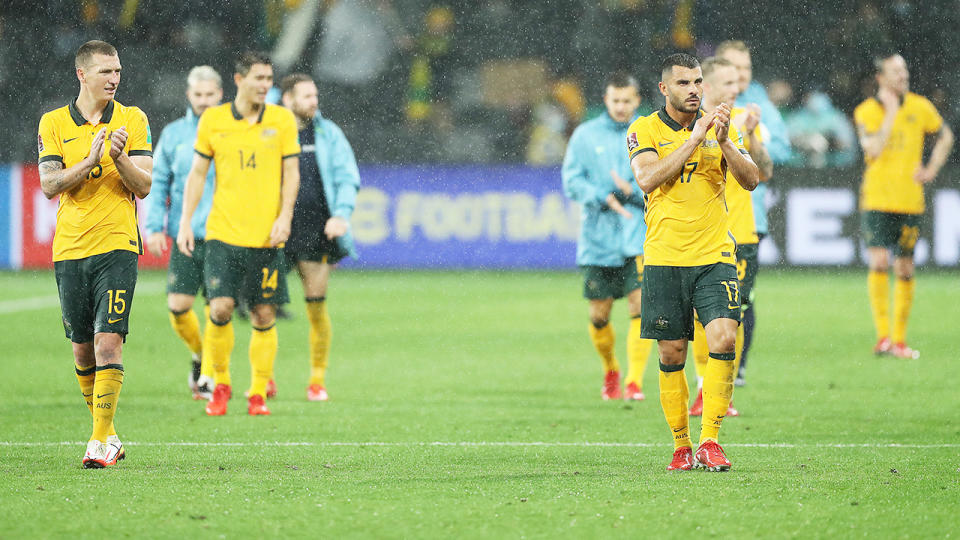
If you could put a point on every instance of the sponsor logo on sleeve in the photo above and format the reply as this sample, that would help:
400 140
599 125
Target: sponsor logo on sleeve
40 142
632 143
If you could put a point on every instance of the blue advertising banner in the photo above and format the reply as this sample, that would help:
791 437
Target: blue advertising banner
463 217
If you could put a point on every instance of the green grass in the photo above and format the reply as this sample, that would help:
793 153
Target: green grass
479 358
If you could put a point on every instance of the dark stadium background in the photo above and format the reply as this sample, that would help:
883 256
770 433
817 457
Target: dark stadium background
504 82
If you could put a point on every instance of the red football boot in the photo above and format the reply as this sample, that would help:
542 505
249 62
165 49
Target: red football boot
882 347
256 406
900 350
217 406
316 392
697 408
633 393
611 386
731 410
710 457
682 459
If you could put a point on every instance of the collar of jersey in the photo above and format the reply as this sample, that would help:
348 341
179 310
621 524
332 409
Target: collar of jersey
238 116
673 124
78 118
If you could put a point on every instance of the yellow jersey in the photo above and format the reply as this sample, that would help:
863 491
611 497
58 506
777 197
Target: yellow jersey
740 201
248 160
686 216
100 214
888 183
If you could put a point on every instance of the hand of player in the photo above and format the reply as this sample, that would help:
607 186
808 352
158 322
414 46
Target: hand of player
118 139
280 231
615 205
185 240
721 124
703 125
752 119
889 100
622 184
336 227
157 243
924 175
96 147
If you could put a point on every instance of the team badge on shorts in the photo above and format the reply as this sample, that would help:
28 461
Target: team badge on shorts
661 323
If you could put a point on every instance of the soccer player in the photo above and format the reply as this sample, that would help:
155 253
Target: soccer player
254 148
320 234
174 156
892 127
679 157
96 155
610 246
720 85
752 93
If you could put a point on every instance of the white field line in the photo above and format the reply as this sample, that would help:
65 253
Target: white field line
19 305
469 444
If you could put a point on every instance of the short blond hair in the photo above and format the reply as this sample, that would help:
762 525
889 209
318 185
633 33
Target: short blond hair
709 65
204 73
87 50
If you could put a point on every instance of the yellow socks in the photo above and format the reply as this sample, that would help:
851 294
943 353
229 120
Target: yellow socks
321 331
217 346
187 326
902 301
106 391
717 392
263 351
86 378
701 351
638 351
603 339
206 366
674 395
878 287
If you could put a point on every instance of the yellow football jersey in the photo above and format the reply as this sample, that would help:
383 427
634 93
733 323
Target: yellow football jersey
686 216
888 183
740 201
248 159
100 214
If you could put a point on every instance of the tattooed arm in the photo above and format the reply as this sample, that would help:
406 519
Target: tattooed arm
55 179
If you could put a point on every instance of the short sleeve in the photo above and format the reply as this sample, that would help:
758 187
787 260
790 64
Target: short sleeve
289 136
863 119
639 140
48 143
140 141
202 144
932 119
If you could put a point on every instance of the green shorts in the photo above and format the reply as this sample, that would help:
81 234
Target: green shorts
325 251
602 282
747 267
96 294
891 230
673 292
252 275
185 274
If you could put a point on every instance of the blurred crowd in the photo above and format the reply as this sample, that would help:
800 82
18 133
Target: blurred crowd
487 81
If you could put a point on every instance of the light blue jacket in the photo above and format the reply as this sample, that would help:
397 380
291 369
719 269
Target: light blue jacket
606 238
778 146
172 159
338 169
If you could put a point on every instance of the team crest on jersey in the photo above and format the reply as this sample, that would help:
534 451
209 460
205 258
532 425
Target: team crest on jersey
267 133
710 143
40 143
632 143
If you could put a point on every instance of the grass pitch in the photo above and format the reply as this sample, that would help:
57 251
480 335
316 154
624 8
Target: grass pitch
468 405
